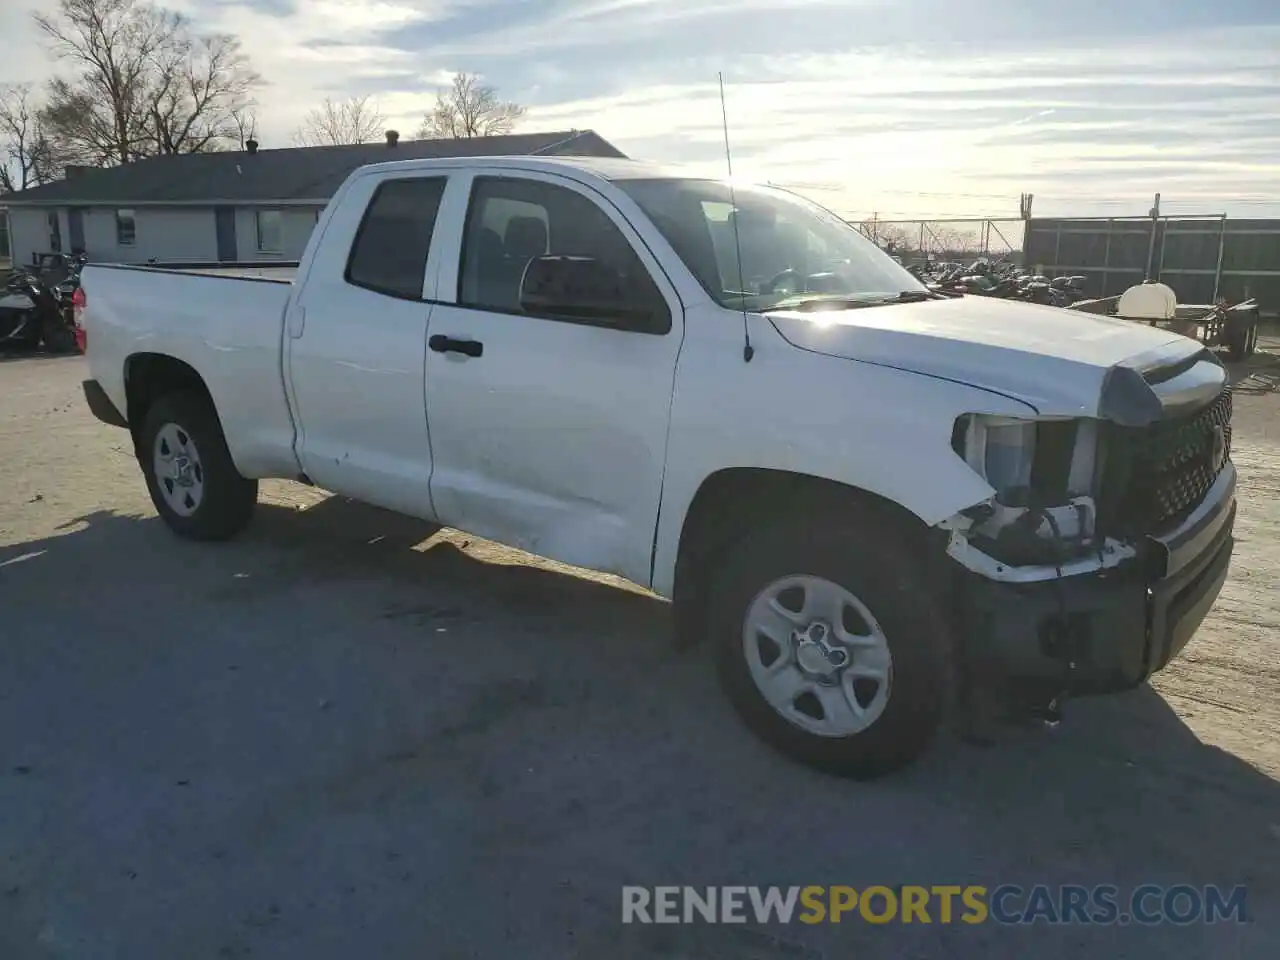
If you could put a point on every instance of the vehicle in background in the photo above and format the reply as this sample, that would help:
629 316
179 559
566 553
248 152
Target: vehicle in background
1234 326
1003 280
857 490
37 309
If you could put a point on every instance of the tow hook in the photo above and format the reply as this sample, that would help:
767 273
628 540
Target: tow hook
1064 642
1050 715
1017 705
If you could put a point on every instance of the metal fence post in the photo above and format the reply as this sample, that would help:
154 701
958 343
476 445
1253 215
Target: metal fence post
1217 271
1151 247
1106 258
1164 245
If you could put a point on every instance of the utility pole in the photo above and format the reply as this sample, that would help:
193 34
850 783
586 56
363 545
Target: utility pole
1024 211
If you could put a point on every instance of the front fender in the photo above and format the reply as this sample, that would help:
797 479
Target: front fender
878 429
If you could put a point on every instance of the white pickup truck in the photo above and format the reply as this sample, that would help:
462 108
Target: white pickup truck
867 498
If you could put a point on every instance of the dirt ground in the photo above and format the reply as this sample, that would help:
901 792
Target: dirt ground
347 734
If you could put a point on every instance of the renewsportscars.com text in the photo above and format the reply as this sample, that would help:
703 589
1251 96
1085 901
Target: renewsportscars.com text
941 903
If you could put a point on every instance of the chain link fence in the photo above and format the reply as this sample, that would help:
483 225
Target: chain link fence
1201 258
963 240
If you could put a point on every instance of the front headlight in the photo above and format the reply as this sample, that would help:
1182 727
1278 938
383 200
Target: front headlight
1049 460
1001 449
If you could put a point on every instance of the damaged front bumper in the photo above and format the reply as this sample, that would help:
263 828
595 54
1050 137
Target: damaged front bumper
1104 623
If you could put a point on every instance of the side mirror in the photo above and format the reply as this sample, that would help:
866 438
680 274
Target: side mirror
590 291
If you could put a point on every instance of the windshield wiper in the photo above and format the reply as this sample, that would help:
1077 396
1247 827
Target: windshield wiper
915 296
818 302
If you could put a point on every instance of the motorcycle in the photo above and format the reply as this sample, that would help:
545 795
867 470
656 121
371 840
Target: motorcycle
1069 290
36 311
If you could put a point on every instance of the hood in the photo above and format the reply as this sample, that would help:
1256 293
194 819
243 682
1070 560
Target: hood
1054 359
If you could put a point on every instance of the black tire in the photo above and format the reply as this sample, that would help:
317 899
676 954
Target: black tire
59 338
227 499
867 556
1241 339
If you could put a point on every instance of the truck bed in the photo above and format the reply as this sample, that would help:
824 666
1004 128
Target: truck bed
224 320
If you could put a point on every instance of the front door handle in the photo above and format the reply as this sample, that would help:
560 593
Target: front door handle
442 344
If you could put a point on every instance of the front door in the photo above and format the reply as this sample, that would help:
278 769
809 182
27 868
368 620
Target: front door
553 438
75 227
356 344
224 225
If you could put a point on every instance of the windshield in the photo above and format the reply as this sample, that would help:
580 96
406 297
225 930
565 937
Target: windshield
792 250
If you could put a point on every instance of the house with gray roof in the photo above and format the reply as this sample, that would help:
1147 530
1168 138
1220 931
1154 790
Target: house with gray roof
243 206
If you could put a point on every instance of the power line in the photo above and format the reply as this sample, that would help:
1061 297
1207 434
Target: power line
1053 199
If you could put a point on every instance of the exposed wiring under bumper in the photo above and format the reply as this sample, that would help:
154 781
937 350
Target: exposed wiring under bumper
1112 554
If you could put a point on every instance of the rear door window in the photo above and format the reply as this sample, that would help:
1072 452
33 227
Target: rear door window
389 254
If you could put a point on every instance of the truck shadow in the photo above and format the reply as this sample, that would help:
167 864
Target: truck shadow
1124 790
336 537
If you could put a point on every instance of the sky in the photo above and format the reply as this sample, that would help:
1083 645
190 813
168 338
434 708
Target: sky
892 108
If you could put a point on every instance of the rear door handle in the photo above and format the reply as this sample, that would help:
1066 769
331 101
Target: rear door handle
442 344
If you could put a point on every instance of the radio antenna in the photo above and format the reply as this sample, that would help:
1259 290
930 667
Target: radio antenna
748 351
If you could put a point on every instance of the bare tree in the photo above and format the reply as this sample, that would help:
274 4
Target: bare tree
201 88
142 83
26 156
245 121
354 120
469 108
893 237
952 242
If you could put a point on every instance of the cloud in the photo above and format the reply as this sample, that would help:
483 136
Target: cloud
869 102
310 49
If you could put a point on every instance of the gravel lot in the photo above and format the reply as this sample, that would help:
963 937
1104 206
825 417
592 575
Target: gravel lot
347 734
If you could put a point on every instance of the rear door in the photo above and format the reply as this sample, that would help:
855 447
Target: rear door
356 340
550 433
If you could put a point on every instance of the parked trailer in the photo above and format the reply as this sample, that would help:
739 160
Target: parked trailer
1234 327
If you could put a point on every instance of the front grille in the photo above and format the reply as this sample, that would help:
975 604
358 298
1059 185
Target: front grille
1153 477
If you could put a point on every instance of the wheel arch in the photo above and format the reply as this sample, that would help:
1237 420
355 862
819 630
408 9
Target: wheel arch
149 376
711 525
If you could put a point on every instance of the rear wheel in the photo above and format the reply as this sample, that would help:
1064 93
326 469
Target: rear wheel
829 647
192 479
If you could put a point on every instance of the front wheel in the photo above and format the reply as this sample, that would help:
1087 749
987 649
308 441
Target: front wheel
192 479
829 646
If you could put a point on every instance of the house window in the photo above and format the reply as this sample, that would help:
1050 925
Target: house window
55 232
5 252
126 228
268 227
